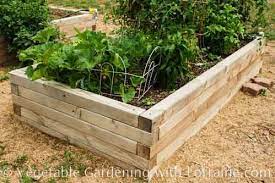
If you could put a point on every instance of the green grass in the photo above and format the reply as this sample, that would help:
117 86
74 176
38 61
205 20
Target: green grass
4 70
4 77
85 4
20 161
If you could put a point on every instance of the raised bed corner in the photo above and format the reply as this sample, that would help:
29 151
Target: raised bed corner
132 137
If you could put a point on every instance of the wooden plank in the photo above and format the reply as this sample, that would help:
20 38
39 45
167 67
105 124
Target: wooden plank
143 151
43 129
125 165
77 124
121 158
176 118
14 89
195 127
175 102
52 7
72 20
102 146
95 103
196 113
164 109
118 153
32 116
188 133
48 101
116 127
145 124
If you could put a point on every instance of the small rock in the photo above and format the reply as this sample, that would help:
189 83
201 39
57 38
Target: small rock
263 82
253 88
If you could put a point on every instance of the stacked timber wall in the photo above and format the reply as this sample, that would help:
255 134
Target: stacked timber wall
182 114
80 22
132 137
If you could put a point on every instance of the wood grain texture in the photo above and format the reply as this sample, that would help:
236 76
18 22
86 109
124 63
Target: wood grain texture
207 104
77 124
116 127
95 145
212 108
143 151
42 128
48 101
14 89
178 100
92 102
194 105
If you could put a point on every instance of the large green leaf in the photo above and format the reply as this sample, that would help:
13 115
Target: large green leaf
127 94
136 80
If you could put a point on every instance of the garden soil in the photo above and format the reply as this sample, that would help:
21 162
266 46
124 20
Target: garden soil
238 145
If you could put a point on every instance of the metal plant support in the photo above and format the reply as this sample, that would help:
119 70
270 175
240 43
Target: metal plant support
149 75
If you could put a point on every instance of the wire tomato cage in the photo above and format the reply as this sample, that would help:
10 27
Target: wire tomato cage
148 76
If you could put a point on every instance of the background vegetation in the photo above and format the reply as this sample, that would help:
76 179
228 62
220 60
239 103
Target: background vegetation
85 4
186 33
188 30
21 20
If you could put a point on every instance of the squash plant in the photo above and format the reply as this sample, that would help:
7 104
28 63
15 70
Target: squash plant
75 63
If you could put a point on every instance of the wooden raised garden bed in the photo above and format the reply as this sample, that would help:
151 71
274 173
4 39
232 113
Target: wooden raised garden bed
132 137
80 22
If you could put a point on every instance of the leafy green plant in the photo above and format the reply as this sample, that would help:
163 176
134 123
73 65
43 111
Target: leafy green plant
181 26
74 63
180 32
25 178
4 165
21 20
20 161
4 77
148 101
224 29
163 24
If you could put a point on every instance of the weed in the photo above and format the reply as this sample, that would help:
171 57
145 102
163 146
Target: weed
52 180
263 93
148 101
20 161
4 77
81 169
25 178
4 165
71 162
2 149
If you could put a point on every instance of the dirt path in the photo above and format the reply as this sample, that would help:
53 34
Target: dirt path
240 140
